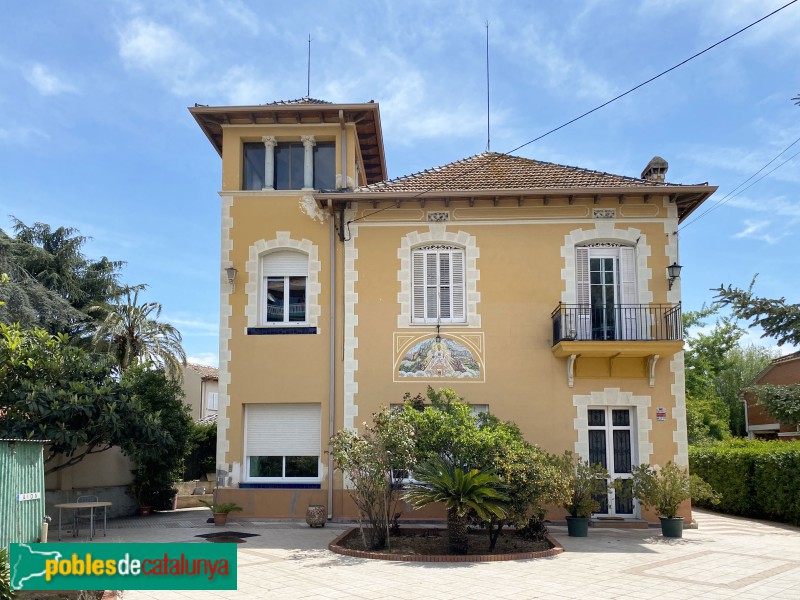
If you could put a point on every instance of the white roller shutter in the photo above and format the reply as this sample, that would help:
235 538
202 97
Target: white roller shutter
283 429
285 263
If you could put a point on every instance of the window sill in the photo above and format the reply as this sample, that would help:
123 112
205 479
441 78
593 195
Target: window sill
280 486
282 330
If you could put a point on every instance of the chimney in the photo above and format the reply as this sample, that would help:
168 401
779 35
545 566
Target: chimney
655 170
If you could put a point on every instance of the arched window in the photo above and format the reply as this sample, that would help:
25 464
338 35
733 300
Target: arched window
284 287
438 284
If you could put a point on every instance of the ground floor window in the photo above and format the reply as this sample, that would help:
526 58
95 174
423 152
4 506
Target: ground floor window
282 442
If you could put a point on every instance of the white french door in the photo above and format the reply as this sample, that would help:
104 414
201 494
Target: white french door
611 444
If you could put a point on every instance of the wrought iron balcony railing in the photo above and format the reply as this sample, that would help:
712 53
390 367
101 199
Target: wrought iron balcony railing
606 322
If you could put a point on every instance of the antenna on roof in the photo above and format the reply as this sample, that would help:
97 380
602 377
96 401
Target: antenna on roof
488 128
308 79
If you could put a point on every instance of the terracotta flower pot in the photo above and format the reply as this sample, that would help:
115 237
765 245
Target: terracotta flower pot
220 518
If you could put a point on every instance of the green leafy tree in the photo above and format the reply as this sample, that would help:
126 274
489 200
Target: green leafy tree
460 492
780 401
55 284
132 333
373 461
743 365
158 465
778 318
52 390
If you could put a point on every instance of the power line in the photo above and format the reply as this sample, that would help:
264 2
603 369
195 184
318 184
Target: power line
604 104
733 193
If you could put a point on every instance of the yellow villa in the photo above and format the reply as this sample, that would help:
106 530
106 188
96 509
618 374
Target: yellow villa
548 295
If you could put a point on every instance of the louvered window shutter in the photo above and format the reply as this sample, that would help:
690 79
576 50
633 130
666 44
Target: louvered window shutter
283 429
438 285
418 299
581 322
459 304
633 327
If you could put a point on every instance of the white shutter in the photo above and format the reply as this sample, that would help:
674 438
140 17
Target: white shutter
285 263
432 285
418 296
580 320
445 285
213 401
632 327
457 291
283 429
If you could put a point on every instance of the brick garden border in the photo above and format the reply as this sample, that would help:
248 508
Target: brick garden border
335 547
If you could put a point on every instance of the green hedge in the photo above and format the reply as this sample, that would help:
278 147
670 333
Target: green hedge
755 478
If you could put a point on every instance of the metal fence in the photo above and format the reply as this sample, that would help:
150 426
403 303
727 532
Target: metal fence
606 322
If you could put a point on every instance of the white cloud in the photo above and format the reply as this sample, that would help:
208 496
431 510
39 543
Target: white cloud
196 327
204 358
160 51
46 82
760 230
18 135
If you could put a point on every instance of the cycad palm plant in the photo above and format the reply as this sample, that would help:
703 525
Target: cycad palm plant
460 491
134 335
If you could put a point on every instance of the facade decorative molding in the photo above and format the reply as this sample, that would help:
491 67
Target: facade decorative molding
350 384
614 397
438 216
678 388
225 334
604 213
282 241
438 233
606 232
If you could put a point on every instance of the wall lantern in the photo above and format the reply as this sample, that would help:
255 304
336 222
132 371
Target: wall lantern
438 337
673 272
231 273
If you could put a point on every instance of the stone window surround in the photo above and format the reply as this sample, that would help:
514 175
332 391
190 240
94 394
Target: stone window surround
282 241
614 397
606 232
438 233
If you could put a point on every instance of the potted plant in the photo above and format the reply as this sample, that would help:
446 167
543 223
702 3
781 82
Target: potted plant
141 492
664 489
585 483
221 510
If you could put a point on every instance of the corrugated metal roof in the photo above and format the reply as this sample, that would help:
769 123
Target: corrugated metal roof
497 171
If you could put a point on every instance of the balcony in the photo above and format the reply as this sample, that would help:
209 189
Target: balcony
617 330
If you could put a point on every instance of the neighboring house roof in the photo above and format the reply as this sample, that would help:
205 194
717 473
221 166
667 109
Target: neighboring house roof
209 420
786 358
493 171
206 372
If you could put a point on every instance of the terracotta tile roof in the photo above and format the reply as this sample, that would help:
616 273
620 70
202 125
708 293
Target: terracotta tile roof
786 358
305 100
205 371
496 171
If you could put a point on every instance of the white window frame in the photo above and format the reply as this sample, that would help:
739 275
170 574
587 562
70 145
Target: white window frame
428 264
288 480
609 428
268 272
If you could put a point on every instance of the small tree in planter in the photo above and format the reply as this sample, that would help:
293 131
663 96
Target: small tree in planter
664 489
222 510
585 483
371 462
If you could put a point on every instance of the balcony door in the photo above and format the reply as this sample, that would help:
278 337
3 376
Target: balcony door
611 436
606 292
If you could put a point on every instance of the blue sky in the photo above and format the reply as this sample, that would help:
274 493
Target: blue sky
96 134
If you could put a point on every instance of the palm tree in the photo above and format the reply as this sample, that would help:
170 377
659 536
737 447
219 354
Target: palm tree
133 334
460 491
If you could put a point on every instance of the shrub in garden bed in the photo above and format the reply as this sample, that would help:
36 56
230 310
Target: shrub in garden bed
755 478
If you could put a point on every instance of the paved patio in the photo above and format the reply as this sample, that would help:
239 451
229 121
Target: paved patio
727 557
